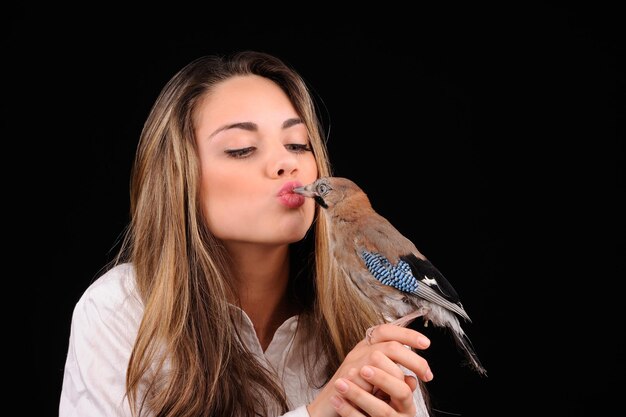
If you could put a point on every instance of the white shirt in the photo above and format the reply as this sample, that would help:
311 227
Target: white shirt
104 326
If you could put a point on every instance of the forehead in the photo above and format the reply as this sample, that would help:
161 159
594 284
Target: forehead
249 99
244 96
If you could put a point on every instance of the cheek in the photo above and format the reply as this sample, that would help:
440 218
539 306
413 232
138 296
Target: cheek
308 170
225 199
309 174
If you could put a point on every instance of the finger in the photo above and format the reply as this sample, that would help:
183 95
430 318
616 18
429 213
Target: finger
354 376
382 361
409 377
390 332
399 354
343 407
355 402
411 381
400 394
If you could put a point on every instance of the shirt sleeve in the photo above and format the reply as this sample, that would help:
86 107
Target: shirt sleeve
420 406
103 329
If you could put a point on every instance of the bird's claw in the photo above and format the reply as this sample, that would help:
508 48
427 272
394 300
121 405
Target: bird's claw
369 334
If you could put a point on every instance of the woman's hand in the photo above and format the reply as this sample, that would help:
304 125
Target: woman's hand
370 379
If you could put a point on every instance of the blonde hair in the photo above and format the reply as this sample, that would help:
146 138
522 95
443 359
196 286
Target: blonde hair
188 359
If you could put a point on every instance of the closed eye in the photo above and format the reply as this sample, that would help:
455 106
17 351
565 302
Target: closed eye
240 153
298 148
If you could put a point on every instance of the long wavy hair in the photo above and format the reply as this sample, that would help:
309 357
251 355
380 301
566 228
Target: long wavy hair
188 359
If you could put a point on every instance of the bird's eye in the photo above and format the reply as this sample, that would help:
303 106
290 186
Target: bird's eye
322 189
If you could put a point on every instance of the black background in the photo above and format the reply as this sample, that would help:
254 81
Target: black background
492 136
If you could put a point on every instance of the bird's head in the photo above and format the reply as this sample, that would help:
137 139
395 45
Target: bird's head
329 191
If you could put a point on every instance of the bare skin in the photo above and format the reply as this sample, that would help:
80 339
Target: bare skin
351 390
252 146
251 143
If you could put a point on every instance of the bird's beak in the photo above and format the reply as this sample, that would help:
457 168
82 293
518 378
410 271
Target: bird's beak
306 190
309 191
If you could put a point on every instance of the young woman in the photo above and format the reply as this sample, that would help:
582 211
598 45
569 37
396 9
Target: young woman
223 300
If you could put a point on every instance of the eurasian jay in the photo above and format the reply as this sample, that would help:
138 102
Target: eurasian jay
385 265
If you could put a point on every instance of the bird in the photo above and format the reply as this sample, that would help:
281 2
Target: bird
385 265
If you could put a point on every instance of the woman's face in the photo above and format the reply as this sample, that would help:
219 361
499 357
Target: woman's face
253 150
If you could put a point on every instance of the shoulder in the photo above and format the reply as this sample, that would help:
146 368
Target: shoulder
104 327
112 295
113 288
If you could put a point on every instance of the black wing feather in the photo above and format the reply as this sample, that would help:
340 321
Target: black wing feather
424 269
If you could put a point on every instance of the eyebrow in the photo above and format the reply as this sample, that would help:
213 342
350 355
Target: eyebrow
253 127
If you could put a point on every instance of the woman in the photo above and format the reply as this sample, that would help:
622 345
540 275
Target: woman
222 300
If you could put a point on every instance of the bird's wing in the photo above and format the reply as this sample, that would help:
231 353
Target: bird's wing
414 276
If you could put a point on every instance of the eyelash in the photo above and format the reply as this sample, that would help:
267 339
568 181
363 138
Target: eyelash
245 152
298 148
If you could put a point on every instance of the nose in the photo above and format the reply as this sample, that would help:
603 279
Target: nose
282 163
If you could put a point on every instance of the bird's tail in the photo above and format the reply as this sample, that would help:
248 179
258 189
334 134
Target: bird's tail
465 345
447 319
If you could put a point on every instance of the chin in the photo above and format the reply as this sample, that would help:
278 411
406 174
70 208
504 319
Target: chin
295 234
294 228
296 237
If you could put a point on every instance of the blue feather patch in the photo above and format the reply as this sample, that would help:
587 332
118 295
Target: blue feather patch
398 276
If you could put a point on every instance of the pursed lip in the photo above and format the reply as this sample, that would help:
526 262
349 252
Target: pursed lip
287 197
288 187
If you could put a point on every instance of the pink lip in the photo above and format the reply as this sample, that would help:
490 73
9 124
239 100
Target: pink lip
287 197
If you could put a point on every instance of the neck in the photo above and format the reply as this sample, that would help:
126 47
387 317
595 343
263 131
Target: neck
262 277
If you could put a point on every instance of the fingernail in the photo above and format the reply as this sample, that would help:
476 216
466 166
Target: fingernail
424 341
336 401
429 375
367 372
341 385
